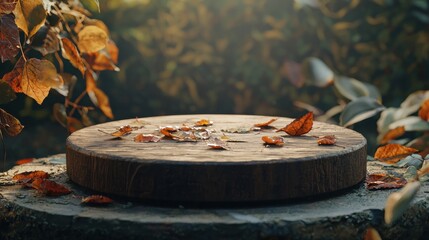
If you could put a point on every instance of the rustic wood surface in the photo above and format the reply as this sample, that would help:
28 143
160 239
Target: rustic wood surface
191 172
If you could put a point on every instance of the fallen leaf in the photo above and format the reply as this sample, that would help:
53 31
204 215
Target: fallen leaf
203 123
265 124
424 110
97 200
9 124
9 37
184 136
299 126
217 143
202 134
241 130
71 53
7 6
228 139
327 140
123 131
166 131
24 161
146 138
275 140
30 16
398 202
371 234
383 181
392 153
49 188
28 177
92 39
392 134
38 77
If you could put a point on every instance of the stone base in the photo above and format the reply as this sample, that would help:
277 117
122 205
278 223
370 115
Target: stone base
25 214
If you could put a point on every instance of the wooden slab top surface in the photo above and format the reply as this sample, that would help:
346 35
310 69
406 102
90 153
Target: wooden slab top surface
192 172
94 140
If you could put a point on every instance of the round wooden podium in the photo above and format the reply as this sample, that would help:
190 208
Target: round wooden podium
169 170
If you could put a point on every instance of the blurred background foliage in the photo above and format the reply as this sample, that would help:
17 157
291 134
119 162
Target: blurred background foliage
245 56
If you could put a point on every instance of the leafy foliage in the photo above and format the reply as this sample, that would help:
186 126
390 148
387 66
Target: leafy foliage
46 28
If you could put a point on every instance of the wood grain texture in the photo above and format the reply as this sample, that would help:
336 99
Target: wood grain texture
190 171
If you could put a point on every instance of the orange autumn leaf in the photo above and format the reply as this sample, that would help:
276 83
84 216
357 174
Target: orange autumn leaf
424 111
14 77
265 124
275 140
92 39
166 131
145 138
24 161
299 126
203 123
327 140
9 124
100 99
30 176
383 181
9 37
96 200
49 187
393 134
123 131
392 153
218 144
105 59
70 52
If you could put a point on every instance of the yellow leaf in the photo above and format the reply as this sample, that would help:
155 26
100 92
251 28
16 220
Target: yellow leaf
70 52
92 39
30 16
100 99
38 77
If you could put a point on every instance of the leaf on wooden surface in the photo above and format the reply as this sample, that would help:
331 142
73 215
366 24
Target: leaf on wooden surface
392 153
8 94
24 161
241 130
105 59
101 100
392 134
299 126
203 123
92 39
265 124
145 138
371 234
7 6
327 140
30 16
70 52
398 202
217 143
383 181
96 200
202 134
9 124
359 110
184 136
275 140
424 110
123 131
38 77
49 188
28 177
9 37
167 131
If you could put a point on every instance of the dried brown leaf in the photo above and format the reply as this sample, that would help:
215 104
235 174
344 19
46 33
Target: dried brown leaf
28 177
145 138
327 140
392 153
265 124
9 37
105 59
424 110
9 124
383 181
101 100
275 140
71 53
123 131
7 6
203 123
96 200
49 188
217 143
299 126
393 134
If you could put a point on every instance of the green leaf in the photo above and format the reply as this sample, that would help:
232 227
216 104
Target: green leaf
352 89
360 109
412 123
6 93
316 73
398 202
91 5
